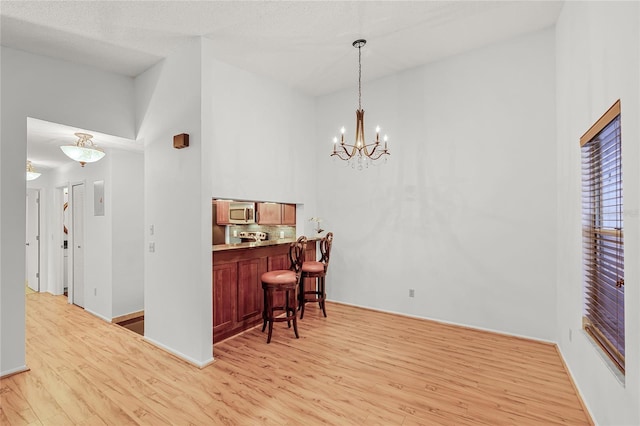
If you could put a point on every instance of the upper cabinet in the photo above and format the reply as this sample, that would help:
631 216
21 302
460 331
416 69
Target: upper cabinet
288 214
269 214
276 214
222 212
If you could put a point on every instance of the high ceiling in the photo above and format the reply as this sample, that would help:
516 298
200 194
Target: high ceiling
304 44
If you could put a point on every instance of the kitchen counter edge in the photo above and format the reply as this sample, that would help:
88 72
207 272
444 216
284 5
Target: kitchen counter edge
225 247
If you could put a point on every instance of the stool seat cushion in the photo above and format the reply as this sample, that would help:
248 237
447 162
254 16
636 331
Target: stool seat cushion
279 277
312 266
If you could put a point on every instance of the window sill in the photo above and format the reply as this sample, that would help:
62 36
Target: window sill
619 375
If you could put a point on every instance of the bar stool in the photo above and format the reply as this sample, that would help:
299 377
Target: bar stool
317 270
287 281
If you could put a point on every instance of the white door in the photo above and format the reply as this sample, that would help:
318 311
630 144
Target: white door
77 238
33 239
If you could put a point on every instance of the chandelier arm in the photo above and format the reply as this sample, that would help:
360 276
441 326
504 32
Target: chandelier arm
340 156
370 154
354 149
379 155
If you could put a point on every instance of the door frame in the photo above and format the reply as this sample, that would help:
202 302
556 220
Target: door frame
38 194
58 237
71 241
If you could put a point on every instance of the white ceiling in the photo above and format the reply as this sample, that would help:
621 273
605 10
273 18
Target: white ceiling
304 44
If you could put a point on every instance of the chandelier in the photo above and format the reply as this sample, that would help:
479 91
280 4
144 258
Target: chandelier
360 152
31 172
84 151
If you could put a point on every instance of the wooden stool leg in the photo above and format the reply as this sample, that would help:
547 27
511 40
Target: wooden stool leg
322 294
269 313
287 314
294 313
302 300
270 331
264 309
295 325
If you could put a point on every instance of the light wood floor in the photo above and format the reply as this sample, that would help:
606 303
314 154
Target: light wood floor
354 367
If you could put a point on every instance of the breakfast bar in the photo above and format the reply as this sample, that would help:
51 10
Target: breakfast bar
237 288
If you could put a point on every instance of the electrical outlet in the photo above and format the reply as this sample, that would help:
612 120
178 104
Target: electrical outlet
152 247
412 293
235 232
151 230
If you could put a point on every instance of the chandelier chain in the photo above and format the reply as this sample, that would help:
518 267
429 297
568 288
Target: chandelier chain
359 76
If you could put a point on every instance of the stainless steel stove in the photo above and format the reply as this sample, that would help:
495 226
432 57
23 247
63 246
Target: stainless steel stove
253 236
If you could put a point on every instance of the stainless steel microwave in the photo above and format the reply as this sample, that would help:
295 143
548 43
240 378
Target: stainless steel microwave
242 213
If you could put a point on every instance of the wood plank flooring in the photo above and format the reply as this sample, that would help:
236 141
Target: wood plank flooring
355 367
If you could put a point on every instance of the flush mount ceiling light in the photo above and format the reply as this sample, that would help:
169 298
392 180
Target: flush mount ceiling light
84 151
360 153
31 172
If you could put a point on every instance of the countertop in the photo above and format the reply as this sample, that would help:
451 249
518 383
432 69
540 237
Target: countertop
268 243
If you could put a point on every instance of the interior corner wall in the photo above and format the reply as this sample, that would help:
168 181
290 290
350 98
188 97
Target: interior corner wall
177 291
56 91
464 210
597 55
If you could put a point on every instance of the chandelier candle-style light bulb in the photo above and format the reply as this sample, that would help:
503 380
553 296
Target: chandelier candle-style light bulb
360 153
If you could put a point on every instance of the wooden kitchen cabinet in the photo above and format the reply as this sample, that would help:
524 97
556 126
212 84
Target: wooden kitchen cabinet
250 298
222 212
224 297
269 213
276 214
288 214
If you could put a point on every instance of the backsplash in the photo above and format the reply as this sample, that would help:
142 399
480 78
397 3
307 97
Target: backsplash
272 230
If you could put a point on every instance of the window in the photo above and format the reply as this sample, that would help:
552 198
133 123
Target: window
602 234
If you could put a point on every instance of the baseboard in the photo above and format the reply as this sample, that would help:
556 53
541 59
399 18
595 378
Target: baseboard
95 314
127 317
14 371
178 355
582 401
470 327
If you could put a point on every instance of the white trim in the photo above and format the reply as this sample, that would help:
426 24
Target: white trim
97 315
13 371
489 330
178 354
575 383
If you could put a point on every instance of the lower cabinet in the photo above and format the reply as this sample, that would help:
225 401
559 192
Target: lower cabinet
250 288
237 288
225 277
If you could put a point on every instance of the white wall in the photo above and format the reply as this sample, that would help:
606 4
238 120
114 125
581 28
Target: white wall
51 90
262 136
177 292
464 211
597 58
127 183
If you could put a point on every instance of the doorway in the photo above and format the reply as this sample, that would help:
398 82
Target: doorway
77 248
32 254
